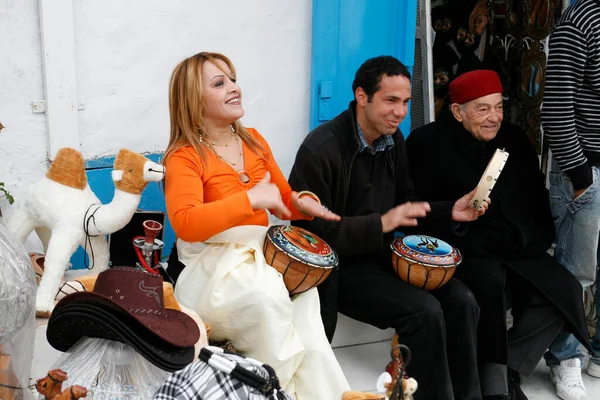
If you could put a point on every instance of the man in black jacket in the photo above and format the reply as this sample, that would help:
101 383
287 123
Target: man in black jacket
357 165
505 263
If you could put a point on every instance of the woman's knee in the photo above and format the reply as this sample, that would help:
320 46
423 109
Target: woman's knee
266 299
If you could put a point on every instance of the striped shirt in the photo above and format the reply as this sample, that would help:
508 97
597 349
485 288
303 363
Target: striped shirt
571 109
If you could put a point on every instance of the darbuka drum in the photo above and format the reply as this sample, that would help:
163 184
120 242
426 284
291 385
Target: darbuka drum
424 261
304 259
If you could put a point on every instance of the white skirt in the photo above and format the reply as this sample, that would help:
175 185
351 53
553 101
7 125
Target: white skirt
229 284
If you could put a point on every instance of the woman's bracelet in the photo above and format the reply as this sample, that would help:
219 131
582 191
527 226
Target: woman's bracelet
309 194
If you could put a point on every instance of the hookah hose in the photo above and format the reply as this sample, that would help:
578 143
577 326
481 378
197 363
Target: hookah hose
404 356
142 259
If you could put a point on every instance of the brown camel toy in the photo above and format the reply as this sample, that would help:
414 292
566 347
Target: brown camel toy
50 387
72 393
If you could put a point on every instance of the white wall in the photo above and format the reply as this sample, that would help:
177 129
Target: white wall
23 141
125 52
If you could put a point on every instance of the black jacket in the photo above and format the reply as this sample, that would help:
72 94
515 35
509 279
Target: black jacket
517 229
323 165
446 162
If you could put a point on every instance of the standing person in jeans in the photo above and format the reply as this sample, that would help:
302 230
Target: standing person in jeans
571 122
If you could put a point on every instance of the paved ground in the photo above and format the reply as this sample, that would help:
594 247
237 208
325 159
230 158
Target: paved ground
362 365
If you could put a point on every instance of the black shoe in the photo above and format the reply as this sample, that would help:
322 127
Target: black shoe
514 386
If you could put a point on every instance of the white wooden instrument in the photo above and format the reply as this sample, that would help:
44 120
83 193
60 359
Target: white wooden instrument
489 178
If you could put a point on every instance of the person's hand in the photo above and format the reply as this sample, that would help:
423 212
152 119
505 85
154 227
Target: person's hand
404 215
265 195
309 206
579 193
461 212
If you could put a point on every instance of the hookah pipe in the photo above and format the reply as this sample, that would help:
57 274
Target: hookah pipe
402 357
395 373
145 246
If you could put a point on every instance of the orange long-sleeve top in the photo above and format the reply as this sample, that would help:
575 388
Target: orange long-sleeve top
205 198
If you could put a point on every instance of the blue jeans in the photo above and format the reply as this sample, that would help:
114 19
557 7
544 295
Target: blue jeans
577 223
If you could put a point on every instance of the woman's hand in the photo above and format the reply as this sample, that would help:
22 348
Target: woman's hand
309 206
265 195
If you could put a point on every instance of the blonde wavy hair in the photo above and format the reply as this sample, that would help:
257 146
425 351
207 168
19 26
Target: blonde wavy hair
187 106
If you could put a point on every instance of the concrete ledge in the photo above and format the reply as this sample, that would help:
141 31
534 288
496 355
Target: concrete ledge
351 333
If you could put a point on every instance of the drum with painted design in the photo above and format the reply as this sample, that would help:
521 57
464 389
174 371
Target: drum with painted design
304 259
424 261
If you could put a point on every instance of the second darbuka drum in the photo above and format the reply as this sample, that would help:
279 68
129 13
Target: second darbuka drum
304 259
424 261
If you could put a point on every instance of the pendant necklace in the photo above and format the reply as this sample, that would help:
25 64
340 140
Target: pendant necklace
242 174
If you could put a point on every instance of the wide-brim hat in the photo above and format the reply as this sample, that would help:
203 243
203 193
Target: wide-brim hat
126 305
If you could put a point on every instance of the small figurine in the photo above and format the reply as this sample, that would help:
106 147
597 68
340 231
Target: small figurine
50 387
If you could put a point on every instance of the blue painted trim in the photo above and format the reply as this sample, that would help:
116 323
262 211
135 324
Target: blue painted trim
108 162
325 61
325 40
406 27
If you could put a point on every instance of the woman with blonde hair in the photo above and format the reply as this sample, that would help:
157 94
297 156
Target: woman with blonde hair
221 178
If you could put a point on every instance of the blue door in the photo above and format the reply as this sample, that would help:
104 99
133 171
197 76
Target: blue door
347 32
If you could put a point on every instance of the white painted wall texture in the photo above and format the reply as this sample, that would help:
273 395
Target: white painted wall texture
23 140
124 54
126 50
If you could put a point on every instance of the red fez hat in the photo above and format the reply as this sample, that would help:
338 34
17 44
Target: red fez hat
473 85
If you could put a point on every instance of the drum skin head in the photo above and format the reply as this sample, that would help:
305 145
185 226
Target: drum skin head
424 261
426 250
303 246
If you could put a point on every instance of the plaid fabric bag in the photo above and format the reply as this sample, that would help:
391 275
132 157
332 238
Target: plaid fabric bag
221 375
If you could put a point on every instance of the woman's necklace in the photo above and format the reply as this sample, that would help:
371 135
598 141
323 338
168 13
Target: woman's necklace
242 175
234 163
222 145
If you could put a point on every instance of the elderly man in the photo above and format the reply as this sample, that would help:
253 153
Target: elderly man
505 263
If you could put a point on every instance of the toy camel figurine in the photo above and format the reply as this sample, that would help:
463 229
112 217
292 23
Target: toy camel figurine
50 387
65 214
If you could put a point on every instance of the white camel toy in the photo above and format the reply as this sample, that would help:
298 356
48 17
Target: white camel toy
65 213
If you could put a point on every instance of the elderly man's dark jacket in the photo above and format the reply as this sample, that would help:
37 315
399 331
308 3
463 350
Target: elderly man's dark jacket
445 162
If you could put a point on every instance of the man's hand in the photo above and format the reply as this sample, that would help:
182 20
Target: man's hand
403 215
461 212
